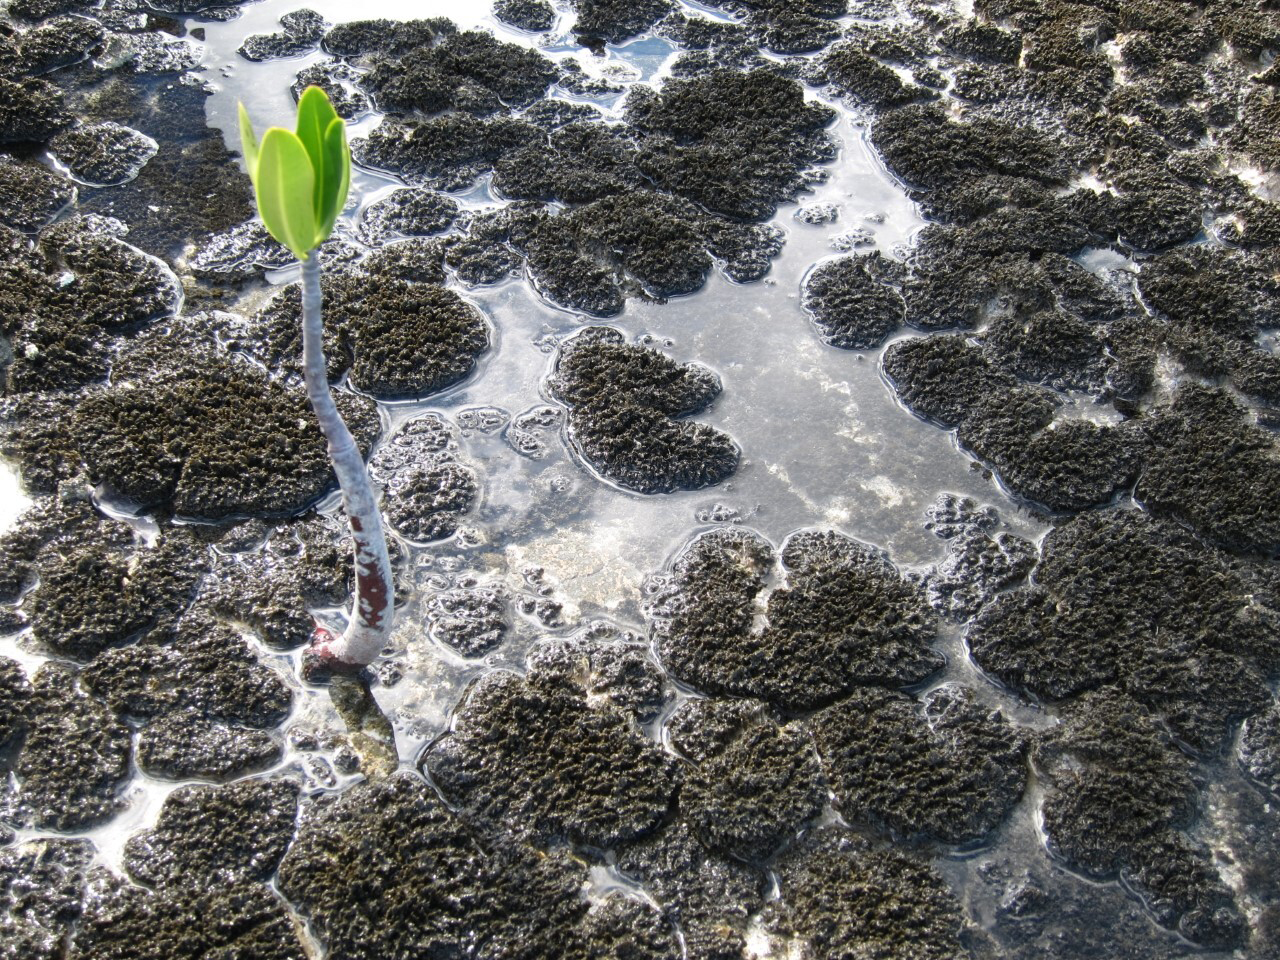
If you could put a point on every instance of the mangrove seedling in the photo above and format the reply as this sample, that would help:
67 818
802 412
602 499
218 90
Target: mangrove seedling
301 179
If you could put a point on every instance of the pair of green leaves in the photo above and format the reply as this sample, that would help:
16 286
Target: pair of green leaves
300 179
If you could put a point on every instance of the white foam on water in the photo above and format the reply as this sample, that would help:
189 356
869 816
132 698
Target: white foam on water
13 498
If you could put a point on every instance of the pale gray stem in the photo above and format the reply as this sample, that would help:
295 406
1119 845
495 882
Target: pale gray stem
374 607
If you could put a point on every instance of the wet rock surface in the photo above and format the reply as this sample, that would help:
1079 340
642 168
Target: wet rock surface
844 619
624 401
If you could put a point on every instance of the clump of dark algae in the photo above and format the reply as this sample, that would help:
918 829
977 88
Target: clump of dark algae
1179 639
643 244
429 502
1214 469
424 67
1066 464
754 784
844 899
789 26
31 196
471 621
863 79
175 436
41 895
854 302
1121 795
624 402
844 618
301 33
536 16
607 663
427 489
980 562
653 203
613 21
1260 749
710 896
1187 632
390 848
65 300
205 700
95 593
209 855
74 757
407 213
737 143
103 154
399 339
946 768
1216 303
534 756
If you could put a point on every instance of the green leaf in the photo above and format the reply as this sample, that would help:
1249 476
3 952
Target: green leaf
337 169
286 191
315 113
248 144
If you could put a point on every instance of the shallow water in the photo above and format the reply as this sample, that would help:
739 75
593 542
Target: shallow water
824 441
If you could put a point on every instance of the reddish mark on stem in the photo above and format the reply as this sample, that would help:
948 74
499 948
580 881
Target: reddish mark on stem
373 588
